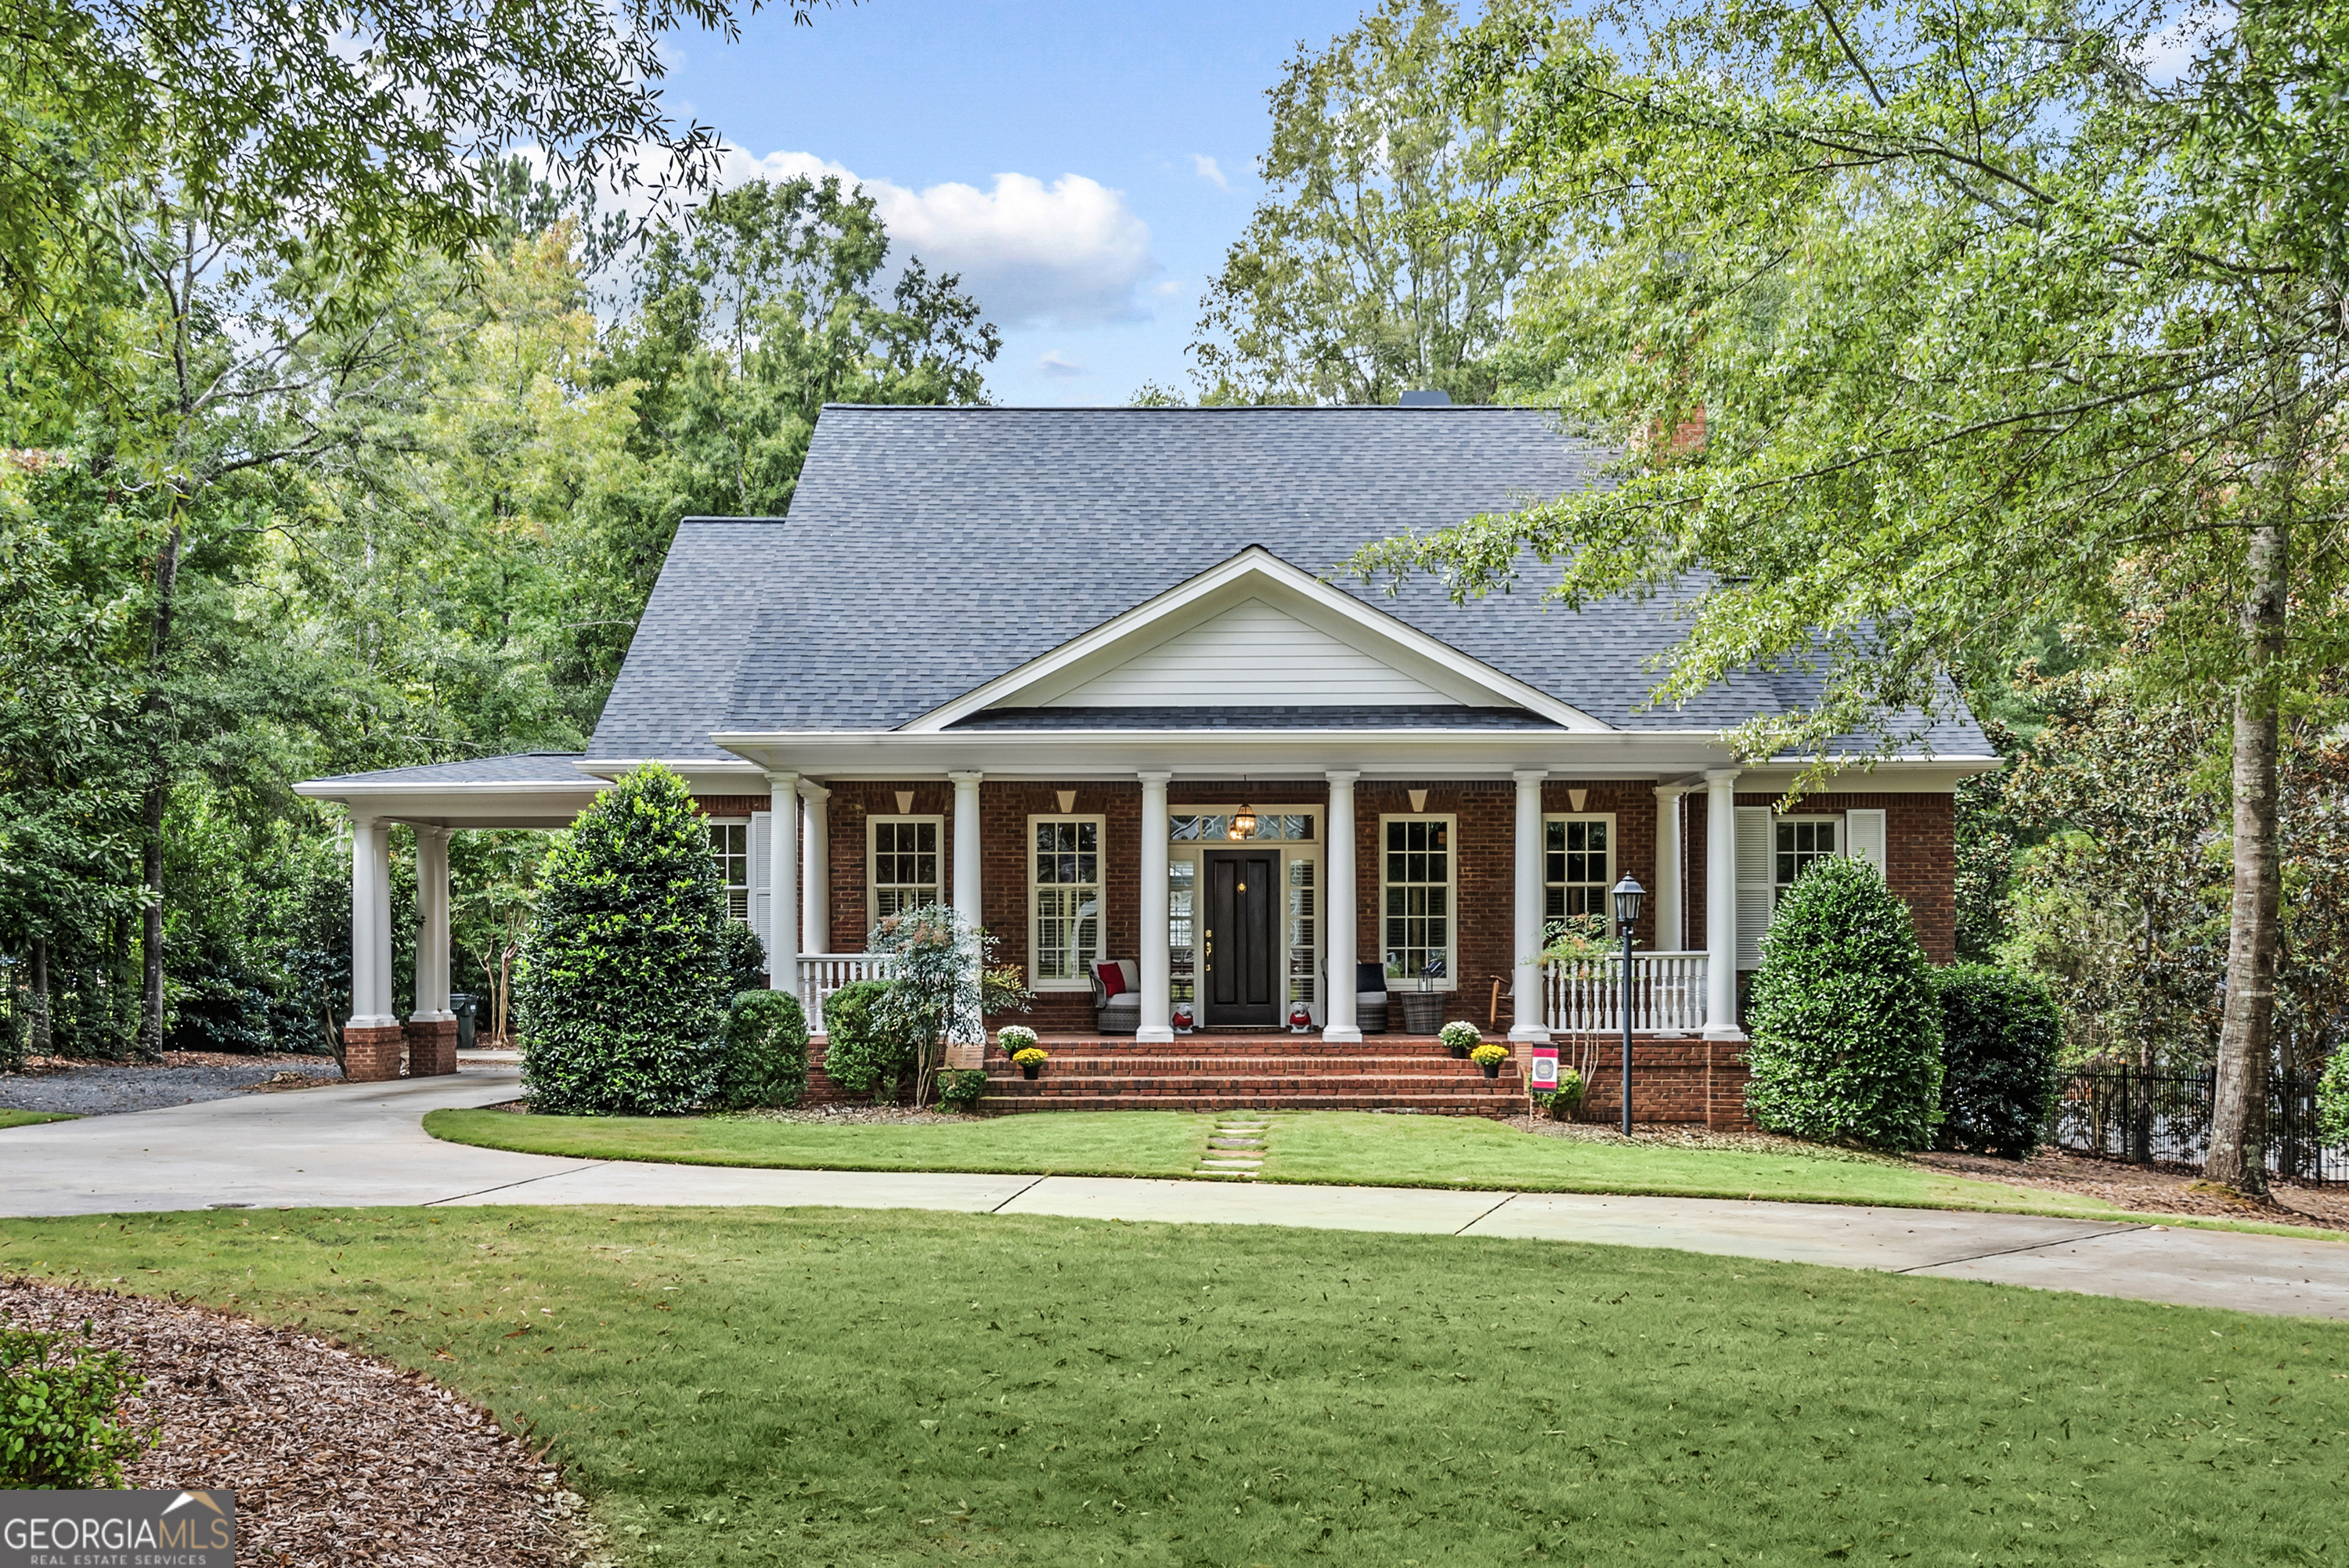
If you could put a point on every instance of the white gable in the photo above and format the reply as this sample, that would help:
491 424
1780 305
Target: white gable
1253 656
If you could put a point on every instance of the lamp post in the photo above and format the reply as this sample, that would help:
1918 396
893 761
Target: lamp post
1627 894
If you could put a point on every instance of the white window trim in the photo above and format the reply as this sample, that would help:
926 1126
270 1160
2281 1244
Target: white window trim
872 855
750 870
1451 981
1614 860
1027 881
1878 829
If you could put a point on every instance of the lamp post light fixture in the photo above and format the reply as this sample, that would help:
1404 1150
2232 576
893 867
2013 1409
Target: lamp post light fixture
1627 894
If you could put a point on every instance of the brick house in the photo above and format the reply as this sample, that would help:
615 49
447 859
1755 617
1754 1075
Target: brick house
1088 675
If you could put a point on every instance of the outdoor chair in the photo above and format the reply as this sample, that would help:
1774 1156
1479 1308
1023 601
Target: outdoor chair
1117 997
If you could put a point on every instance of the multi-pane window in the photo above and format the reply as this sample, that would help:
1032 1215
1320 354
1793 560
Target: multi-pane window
904 870
1065 898
1418 882
1303 914
730 846
1800 841
1577 856
1182 878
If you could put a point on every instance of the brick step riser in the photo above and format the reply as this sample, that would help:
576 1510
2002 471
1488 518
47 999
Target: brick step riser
1309 1066
1293 1047
1439 1104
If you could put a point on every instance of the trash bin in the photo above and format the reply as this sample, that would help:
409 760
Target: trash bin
461 1003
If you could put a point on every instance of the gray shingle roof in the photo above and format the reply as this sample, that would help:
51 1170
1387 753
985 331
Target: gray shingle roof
1429 716
519 767
931 549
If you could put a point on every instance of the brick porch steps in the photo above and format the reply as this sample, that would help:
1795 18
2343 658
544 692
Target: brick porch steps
1263 1072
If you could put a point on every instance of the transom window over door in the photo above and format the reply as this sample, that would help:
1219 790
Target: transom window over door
730 846
903 870
1064 899
1417 877
1578 858
1800 841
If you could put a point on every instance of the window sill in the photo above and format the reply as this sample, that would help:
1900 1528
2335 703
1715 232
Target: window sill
1060 987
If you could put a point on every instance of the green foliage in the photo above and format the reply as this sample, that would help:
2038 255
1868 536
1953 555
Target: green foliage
1013 1039
1003 988
960 1088
2001 1039
2332 1099
1571 1089
1459 1035
867 1053
935 992
621 995
745 958
766 1061
1847 1028
61 1422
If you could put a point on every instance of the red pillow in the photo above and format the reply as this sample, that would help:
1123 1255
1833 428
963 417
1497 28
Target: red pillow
1112 979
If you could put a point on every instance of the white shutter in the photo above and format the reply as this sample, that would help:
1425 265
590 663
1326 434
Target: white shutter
1863 836
762 879
1753 881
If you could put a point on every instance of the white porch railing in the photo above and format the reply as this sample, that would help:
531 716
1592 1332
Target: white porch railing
1587 997
822 973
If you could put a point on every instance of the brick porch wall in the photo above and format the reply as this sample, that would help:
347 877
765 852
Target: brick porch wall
1921 858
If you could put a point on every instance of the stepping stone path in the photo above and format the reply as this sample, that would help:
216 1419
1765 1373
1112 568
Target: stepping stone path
1236 1146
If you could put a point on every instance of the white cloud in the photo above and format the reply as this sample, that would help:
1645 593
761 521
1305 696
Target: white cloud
1052 362
1070 253
1208 171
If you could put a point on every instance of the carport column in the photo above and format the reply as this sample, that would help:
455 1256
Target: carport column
433 1028
1339 914
1669 934
1529 1023
970 1028
1721 905
815 864
1157 967
783 886
371 1039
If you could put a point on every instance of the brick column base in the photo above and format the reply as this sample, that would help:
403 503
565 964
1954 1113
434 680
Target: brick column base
431 1047
1724 1087
961 1057
372 1055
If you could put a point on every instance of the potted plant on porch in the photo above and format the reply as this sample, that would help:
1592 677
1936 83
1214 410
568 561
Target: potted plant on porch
1460 1036
1030 1062
1014 1038
1490 1057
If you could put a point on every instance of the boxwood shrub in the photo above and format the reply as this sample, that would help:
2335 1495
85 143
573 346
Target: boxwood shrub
60 1412
766 1061
867 1054
2000 1035
1845 1020
622 994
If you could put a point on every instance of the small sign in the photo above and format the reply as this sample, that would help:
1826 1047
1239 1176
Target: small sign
118 1529
1541 1074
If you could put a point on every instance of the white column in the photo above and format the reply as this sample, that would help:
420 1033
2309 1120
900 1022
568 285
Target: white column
815 863
1721 905
1671 934
431 927
371 926
783 884
1157 967
1529 1024
966 901
1339 911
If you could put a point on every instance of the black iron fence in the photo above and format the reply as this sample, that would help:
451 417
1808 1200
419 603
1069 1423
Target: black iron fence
2123 1113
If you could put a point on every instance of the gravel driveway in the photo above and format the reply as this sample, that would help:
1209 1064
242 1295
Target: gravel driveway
101 1089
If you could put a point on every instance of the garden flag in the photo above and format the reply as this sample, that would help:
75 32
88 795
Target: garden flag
1542 1075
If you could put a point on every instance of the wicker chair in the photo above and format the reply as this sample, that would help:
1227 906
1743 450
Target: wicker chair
1121 1014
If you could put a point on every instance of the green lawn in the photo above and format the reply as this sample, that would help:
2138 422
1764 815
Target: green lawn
31 1117
1354 1148
749 1386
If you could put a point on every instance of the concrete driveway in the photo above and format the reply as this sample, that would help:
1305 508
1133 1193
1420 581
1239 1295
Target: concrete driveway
361 1144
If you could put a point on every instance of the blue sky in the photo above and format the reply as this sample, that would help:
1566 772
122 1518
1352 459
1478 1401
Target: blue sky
1083 166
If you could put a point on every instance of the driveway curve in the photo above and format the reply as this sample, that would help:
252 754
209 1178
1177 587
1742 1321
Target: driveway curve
363 1145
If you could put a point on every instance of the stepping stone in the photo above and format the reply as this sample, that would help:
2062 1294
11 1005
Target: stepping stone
1235 1143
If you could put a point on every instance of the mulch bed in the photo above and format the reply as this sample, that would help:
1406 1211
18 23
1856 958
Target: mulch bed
334 1458
1693 1135
41 1067
2154 1188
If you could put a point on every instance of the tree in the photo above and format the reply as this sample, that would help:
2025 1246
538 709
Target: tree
1923 328
622 991
1347 286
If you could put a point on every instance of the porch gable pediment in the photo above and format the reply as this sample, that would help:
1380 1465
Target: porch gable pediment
1254 632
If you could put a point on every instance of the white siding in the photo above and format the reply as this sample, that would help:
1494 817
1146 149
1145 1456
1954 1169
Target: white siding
1252 655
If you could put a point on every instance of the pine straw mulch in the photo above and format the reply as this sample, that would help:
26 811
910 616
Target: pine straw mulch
2161 1189
334 1458
1694 1135
291 1061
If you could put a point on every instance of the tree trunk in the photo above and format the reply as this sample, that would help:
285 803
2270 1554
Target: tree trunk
150 1005
44 1037
2239 1107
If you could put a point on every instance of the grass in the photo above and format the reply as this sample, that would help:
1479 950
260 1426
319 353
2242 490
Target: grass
31 1117
754 1386
1352 1148
1076 1143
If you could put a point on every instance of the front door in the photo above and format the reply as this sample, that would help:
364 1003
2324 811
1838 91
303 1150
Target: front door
1241 978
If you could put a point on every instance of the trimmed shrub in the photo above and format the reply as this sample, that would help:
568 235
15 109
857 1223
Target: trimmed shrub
960 1088
867 1053
60 1412
1846 1022
2000 1035
744 957
2332 1099
621 998
766 1061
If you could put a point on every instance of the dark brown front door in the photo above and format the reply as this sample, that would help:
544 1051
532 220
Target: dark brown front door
1242 982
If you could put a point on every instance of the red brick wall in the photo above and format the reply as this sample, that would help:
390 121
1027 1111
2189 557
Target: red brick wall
1919 853
731 805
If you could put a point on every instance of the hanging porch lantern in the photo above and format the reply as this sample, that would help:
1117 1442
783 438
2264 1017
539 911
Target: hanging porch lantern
1243 825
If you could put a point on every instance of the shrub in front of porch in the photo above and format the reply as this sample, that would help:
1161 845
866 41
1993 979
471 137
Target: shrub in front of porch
867 1053
766 1062
623 987
1846 1019
2000 1035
